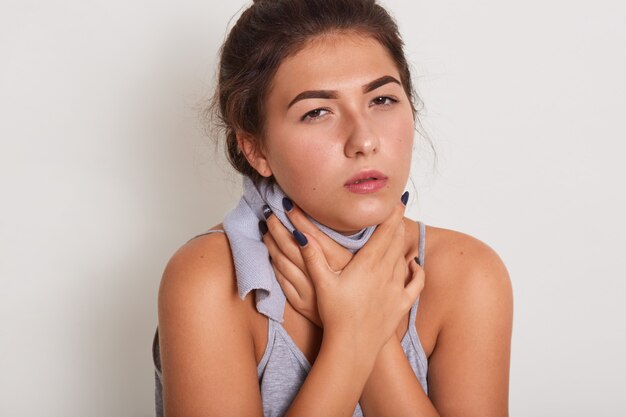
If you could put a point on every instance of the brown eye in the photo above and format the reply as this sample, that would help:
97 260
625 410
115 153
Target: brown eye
314 114
384 101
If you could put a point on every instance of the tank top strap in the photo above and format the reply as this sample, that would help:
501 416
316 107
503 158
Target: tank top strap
422 242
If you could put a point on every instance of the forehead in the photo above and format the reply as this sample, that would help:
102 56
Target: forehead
334 62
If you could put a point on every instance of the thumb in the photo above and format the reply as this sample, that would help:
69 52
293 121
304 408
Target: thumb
314 259
416 284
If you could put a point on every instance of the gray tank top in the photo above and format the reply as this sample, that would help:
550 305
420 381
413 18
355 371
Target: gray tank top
283 367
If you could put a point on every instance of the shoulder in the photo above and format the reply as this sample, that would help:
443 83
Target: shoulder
199 276
468 317
464 258
207 351
467 272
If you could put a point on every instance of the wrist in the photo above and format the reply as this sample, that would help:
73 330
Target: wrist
389 352
354 351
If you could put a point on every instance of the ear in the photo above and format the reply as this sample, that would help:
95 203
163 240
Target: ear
251 149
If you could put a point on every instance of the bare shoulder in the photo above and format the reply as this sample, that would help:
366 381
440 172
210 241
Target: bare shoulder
200 271
199 291
465 273
206 348
466 324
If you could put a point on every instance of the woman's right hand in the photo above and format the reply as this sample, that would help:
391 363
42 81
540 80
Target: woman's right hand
287 261
366 300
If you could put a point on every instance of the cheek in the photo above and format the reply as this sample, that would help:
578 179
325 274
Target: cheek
399 132
406 125
307 177
298 172
302 160
407 131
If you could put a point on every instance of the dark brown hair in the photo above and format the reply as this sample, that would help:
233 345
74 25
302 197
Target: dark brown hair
271 30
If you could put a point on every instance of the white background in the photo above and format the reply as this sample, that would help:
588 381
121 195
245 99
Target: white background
105 171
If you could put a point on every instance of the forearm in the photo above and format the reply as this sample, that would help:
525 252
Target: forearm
335 381
392 388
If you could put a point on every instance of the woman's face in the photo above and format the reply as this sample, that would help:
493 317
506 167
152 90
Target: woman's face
339 131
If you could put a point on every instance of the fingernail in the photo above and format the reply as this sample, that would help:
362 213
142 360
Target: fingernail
287 204
302 241
417 261
263 227
405 198
267 211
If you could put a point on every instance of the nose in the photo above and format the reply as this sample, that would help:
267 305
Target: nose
361 140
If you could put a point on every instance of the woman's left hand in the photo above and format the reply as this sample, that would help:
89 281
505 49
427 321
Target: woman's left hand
289 266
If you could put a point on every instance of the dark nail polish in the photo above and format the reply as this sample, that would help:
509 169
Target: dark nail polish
405 198
263 227
302 241
417 261
267 211
287 204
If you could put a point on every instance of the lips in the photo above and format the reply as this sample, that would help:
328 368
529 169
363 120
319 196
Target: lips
364 176
366 182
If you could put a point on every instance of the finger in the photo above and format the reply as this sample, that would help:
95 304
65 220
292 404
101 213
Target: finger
400 271
288 269
288 288
336 255
296 277
416 283
272 248
377 245
397 245
284 241
319 271
304 302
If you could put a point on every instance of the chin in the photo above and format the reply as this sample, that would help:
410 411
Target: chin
357 221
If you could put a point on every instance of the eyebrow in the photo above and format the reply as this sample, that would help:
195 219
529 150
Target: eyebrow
332 94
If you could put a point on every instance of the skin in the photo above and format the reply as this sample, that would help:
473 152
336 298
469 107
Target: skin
313 158
211 340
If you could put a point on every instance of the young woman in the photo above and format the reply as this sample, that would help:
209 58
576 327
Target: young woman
316 296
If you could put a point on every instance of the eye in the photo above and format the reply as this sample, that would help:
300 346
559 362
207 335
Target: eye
384 101
314 114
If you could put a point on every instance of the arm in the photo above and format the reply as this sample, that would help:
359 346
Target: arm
207 352
360 305
206 345
482 302
392 381
469 367
392 388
